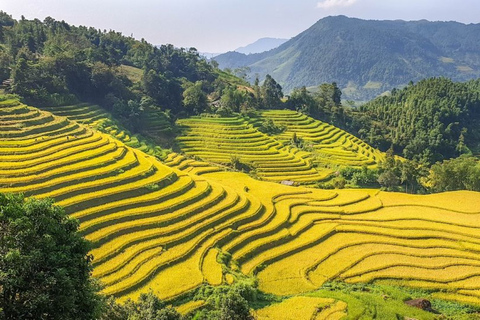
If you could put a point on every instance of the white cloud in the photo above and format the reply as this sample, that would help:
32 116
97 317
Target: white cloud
329 4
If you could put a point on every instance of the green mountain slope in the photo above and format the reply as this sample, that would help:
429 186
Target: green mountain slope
432 120
367 58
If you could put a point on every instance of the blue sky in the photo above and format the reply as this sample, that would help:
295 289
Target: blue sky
223 25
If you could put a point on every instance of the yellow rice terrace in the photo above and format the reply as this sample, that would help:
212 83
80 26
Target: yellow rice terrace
277 157
176 226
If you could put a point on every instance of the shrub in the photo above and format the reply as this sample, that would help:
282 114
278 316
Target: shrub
269 127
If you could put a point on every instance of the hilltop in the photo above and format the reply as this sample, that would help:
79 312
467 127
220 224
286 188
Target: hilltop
367 57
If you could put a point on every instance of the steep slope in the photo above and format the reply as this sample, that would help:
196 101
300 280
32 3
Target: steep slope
368 57
162 228
148 222
322 149
432 120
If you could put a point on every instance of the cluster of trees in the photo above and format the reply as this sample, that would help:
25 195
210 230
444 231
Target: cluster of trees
410 176
242 98
45 274
430 121
324 103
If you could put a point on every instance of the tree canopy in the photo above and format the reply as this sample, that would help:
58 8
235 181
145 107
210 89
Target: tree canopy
44 263
432 120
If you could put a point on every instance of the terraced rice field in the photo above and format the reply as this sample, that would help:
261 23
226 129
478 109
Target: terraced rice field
162 226
330 145
273 157
96 117
302 307
217 140
149 223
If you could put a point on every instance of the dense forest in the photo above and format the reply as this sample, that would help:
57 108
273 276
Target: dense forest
430 121
54 62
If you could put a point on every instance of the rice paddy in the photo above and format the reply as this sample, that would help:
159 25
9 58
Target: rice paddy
162 225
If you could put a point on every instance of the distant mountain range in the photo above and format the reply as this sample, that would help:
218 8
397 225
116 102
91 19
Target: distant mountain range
367 57
261 45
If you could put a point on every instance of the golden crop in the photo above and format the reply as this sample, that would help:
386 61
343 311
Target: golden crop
153 223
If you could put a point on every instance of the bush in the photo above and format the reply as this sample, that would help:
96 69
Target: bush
457 174
269 127
339 182
237 164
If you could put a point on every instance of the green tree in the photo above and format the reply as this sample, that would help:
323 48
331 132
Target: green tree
147 307
233 98
411 173
389 180
302 100
257 91
328 98
5 21
234 307
44 263
150 307
390 172
194 99
271 93
462 173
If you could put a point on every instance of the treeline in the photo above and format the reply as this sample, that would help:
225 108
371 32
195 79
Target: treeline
53 63
410 176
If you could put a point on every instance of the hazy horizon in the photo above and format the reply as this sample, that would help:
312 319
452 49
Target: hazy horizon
217 26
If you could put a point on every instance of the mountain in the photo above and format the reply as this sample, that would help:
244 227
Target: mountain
367 57
209 55
261 45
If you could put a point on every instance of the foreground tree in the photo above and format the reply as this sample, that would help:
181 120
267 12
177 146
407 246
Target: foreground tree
44 263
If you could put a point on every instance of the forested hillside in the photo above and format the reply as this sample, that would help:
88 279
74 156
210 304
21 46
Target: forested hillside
432 120
367 58
53 63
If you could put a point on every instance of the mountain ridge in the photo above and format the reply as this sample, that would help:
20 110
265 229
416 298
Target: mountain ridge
367 57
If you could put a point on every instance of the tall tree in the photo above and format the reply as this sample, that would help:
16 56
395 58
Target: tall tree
194 99
44 263
271 93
